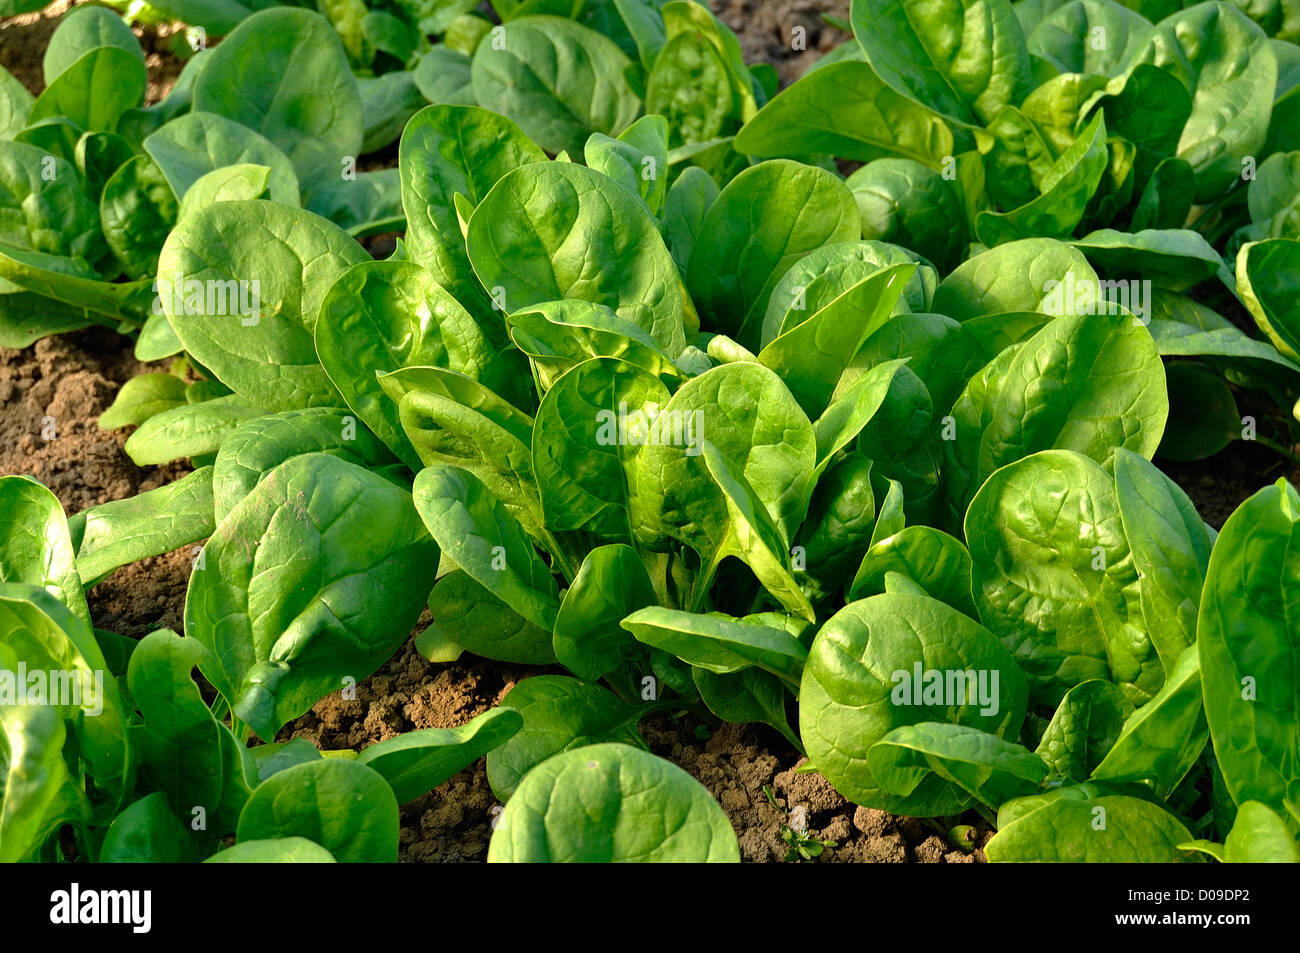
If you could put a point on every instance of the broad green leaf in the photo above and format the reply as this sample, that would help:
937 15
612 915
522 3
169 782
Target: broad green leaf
590 427
1246 637
246 282
380 316
316 576
121 532
342 805
1084 727
1054 578
140 398
416 762
893 660
559 713
198 143
560 230
611 584
479 535
845 110
1162 740
558 79
452 419
719 643
1171 551
612 803
149 832
283 74
257 446
1112 829
766 218
989 768
273 850
189 430
469 617
963 59
35 546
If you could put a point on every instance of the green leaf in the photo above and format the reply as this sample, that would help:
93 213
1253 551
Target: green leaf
636 160
268 356
719 643
142 397
1268 286
37 793
937 562
1049 395
1227 64
1083 729
1065 190
1260 836
1246 637
559 713
1054 577
1162 740
1017 276
340 804
811 357
559 80
317 575
1171 552
589 429
845 110
746 412
81 30
184 750
468 617
45 635
612 803
148 832
766 218
1112 829
35 546
380 316
283 73
96 90
611 584
914 48
989 768
416 762
452 419
449 150
480 536
137 211
189 430
157 521
198 143
444 77
859 684
523 242
274 850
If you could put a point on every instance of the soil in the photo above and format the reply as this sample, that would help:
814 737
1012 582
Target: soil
68 381
23 41
768 34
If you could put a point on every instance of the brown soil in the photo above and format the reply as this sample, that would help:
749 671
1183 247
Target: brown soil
56 389
766 29
23 41
1220 484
